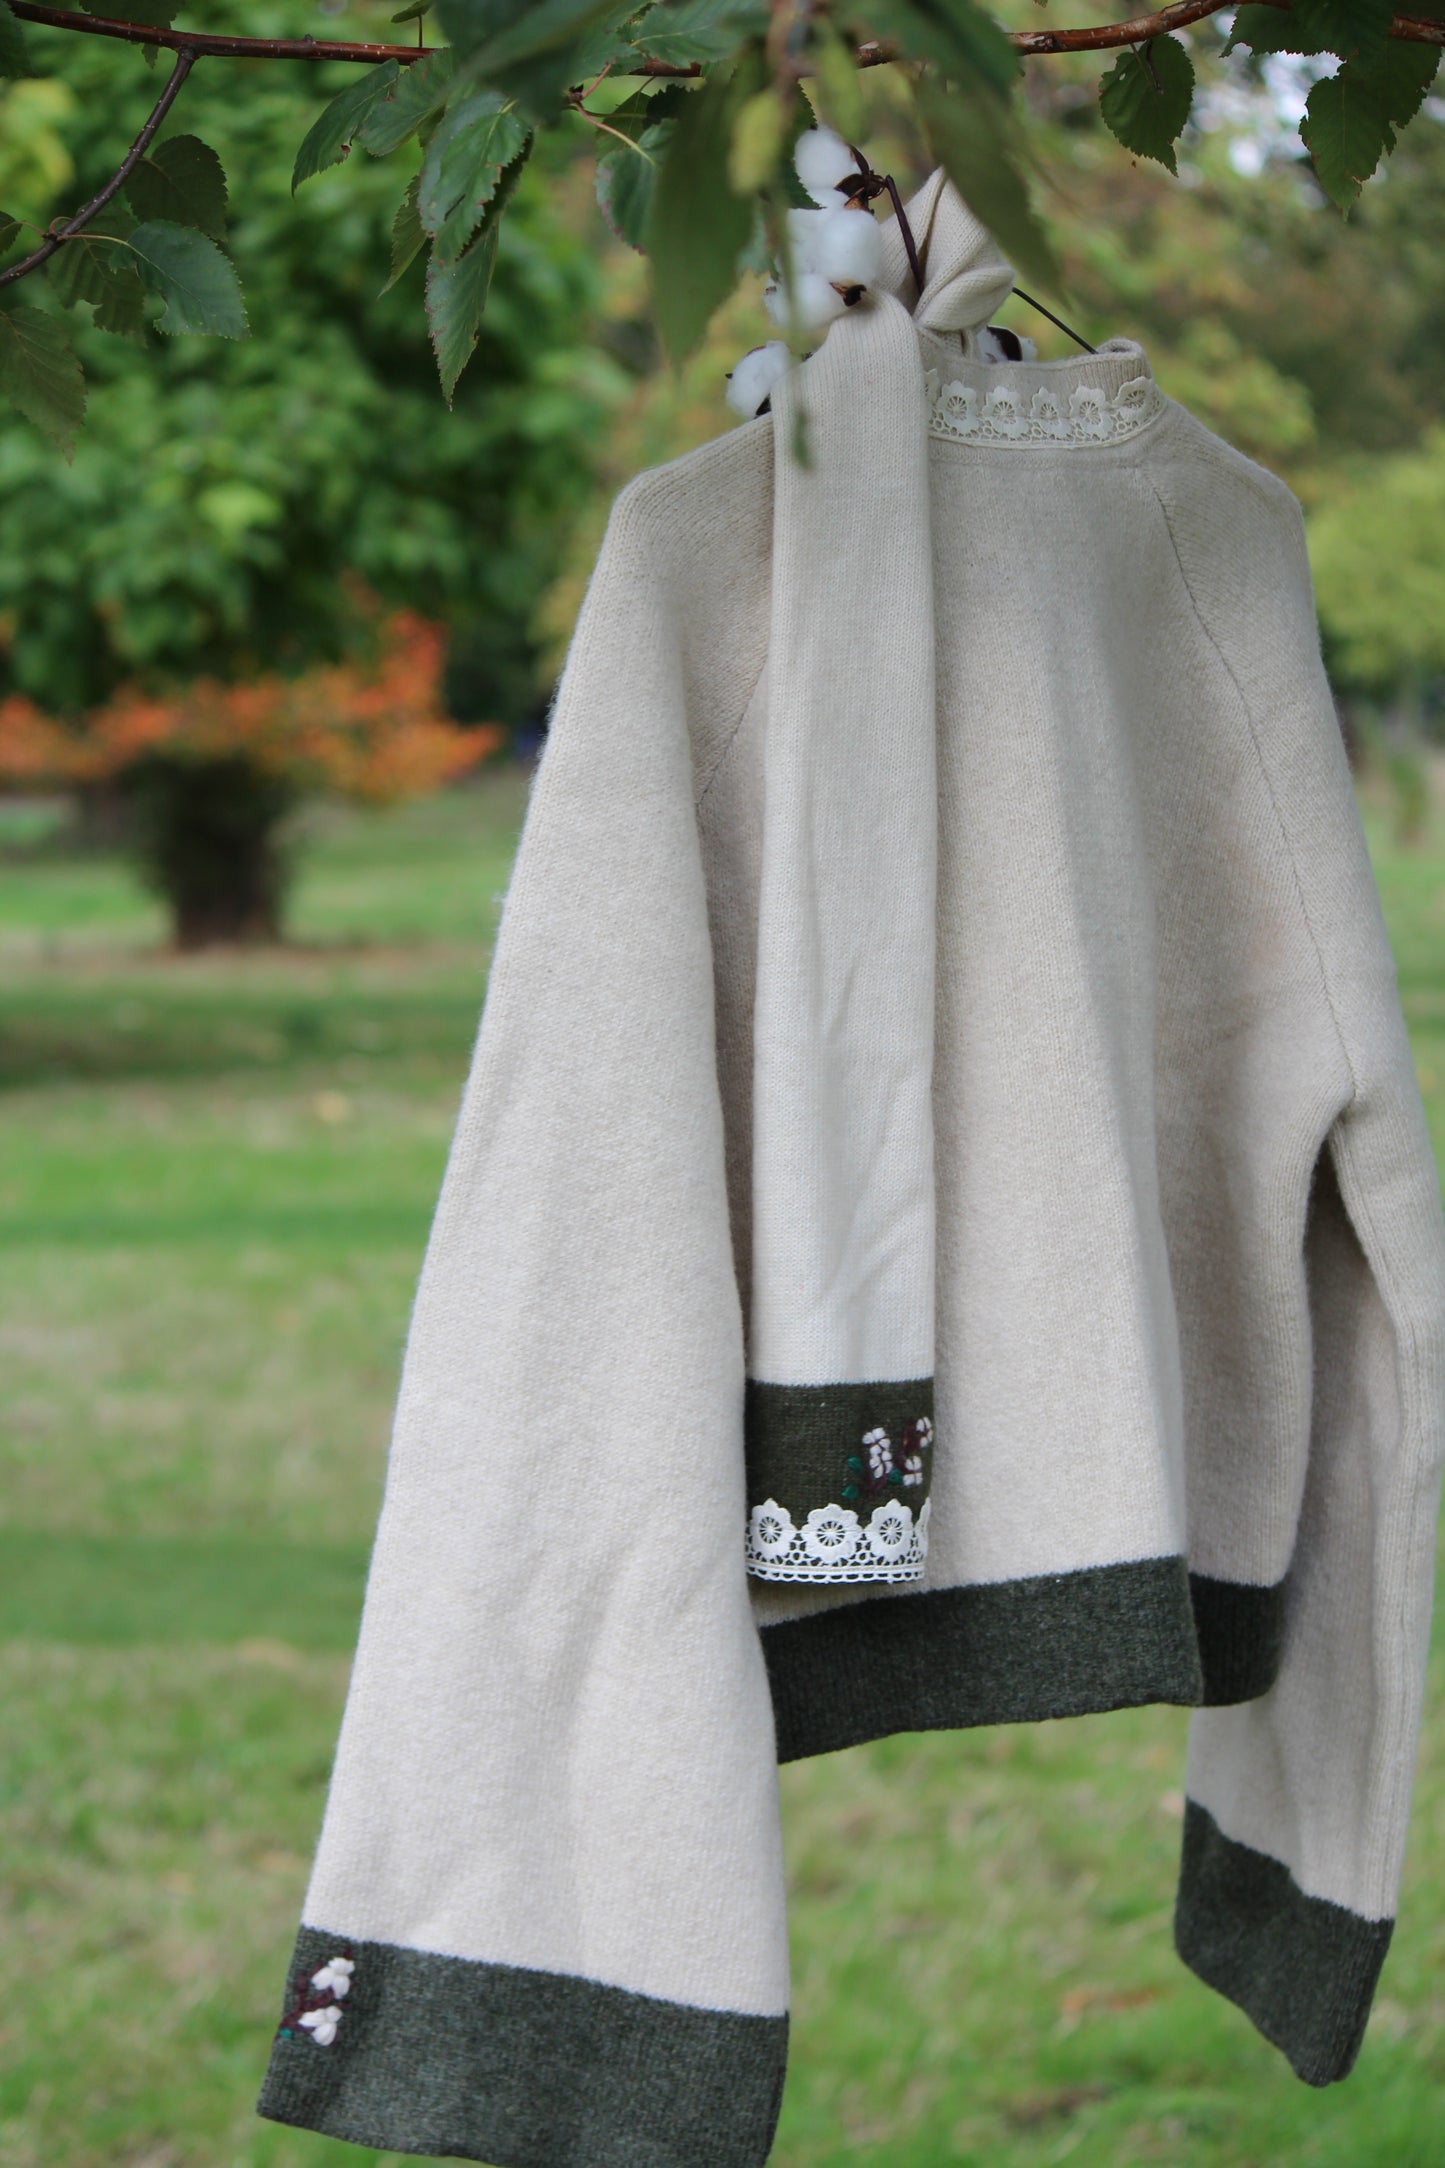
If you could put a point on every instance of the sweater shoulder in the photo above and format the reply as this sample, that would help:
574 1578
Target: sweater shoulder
1192 466
718 496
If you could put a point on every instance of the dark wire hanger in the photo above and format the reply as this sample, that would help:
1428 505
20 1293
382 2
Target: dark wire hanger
865 186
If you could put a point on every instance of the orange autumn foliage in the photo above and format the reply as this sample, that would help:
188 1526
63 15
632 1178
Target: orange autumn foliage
376 734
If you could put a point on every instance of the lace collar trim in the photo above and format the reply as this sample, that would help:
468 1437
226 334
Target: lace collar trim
1011 412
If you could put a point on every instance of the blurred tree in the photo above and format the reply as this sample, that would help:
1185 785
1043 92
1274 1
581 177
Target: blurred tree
210 773
221 488
1378 549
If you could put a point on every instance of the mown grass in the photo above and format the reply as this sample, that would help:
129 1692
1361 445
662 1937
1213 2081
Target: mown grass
211 1215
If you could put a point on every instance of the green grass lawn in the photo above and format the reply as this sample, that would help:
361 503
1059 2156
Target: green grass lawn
215 1182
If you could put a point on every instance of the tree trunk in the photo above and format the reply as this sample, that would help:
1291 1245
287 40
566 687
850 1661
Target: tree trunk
208 836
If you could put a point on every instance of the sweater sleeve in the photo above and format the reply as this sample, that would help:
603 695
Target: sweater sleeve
1297 1802
546 1919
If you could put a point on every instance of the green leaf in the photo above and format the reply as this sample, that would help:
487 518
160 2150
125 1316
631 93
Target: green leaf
463 165
684 31
197 282
627 184
698 227
1345 131
1351 118
413 12
184 182
420 91
839 86
531 49
10 231
1346 26
1272 30
40 375
958 38
1400 75
408 236
328 139
1146 96
14 57
456 293
974 135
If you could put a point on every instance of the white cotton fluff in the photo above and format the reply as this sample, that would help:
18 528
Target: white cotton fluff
752 381
814 304
848 248
821 159
804 234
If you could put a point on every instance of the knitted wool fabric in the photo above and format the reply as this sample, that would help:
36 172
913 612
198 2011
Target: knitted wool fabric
1189 1314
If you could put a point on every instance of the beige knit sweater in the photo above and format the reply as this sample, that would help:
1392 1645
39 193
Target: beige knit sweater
1190 1286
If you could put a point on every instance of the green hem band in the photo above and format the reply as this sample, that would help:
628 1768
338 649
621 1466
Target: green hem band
1303 1970
856 1446
523 2069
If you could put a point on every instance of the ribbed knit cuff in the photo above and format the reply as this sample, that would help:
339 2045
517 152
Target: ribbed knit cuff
522 2069
1302 1969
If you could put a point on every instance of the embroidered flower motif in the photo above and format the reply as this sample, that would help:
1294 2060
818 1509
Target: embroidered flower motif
1135 401
322 2024
1089 413
958 408
912 1468
831 1532
891 1529
335 1974
771 1530
922 1430
1048 416
879 1448
1003 411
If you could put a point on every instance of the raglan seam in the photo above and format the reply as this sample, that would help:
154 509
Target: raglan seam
1268 781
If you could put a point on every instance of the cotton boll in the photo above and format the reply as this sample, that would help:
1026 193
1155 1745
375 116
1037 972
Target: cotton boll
805 231
821 159
753 379
848 248
815 304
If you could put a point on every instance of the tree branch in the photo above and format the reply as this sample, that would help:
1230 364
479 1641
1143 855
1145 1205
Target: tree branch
1102 37
200 43
61 234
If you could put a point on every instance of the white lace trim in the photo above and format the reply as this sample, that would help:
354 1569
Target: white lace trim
834 1546
1010 414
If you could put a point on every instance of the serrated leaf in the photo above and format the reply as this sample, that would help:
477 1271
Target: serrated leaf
40 375
627 185
456 293
10 231
1344 130
1146 96
698 227
959 39
1272 30
14 55
183 182
1400 75
1346 26
533 52
329 137
974 136
688 31
408 237
419 91
195 279
463 166
122 312
413 13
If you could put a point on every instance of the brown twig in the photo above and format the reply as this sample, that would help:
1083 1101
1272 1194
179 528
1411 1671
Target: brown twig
200 43
59 235
1102 37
